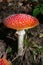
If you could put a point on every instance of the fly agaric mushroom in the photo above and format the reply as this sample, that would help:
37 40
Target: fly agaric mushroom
20 22
3 61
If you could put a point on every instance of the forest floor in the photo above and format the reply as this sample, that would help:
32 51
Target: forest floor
33 40
33 46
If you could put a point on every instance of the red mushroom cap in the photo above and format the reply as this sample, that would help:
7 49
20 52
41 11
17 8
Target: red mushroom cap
4 61
20 21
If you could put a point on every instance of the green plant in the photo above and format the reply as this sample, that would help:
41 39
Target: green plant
37 10
33 0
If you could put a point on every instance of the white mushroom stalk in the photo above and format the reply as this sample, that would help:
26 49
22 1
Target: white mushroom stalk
21 34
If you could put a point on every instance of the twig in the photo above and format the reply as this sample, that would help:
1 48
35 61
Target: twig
15 58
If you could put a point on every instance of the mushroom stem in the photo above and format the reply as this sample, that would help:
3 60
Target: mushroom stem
21 34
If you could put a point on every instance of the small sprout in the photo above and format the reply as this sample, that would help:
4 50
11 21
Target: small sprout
9 50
